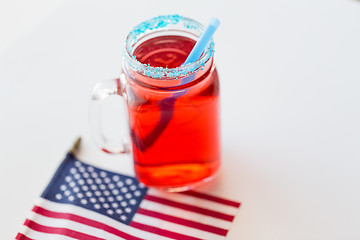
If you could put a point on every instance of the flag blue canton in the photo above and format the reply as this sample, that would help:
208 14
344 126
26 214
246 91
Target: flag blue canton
114 195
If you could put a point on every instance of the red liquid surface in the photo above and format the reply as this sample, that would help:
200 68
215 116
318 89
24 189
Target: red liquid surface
175 139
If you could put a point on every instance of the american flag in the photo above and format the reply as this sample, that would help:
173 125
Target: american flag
85 202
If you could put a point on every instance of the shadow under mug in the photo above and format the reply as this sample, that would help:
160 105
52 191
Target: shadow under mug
173 113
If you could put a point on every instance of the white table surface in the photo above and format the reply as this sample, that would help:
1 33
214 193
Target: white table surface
290 83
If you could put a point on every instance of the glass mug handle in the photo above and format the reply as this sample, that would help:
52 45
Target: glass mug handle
99 93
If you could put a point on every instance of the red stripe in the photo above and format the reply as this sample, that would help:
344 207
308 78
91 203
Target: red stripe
61 231
162 232
191 208
184 222
21 236
85 221
212 198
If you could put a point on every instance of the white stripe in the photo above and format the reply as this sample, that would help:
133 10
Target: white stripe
173 227
68 208
62 223
177 212
195 201
42 236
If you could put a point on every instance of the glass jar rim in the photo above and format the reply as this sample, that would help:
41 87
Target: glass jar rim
163 23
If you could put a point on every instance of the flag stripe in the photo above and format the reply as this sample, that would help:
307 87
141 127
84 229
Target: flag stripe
162 232
158 207
174 227
184 222
61 231
194 201
21 236
66 208
32 234
65 223
86 221
188 207
212 198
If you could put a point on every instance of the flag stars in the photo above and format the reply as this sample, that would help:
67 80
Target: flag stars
103 174
107 193
128 181
89 181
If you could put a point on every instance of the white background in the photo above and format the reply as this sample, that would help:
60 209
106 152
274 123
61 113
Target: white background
289 95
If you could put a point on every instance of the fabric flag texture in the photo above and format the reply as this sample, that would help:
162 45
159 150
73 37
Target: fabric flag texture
85 202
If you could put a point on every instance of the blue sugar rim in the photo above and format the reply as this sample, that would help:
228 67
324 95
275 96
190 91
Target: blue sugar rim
160 23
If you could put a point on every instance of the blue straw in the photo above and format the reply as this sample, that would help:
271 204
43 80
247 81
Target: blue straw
199 48
203 41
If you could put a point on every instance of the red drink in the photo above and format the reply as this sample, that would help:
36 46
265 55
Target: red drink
175 137
173 109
